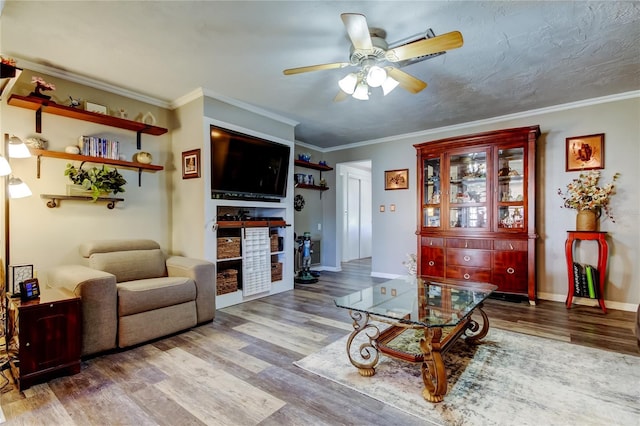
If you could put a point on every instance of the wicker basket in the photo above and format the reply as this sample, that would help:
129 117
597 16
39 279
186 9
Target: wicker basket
276 271
274 242
226 281
228 247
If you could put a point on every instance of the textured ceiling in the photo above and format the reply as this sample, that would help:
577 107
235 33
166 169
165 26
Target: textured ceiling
517 56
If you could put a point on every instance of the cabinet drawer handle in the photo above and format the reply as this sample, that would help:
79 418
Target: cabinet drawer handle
466 244
27 344
467 258
430 242
510 246
466 276
431 263
511 271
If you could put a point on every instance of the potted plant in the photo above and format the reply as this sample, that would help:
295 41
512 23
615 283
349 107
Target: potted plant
99 181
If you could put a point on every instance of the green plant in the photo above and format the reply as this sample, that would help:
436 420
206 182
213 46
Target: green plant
97 180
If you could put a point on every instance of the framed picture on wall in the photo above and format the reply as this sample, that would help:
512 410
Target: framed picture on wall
191 164
396 179
585 152
20 274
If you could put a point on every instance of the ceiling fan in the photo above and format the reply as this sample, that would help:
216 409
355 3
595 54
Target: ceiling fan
371 53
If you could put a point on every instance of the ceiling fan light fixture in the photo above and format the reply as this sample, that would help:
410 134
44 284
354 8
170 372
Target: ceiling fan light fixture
348 83
362 91
388 85
376 76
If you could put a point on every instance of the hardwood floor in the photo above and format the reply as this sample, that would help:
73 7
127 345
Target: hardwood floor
239 369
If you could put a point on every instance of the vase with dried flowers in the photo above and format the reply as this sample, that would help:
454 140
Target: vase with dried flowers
590 200
40 86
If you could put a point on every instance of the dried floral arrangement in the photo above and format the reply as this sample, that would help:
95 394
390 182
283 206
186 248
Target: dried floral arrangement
583 193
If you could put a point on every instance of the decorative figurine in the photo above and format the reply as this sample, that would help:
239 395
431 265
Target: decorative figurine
305 247
74 103
40 86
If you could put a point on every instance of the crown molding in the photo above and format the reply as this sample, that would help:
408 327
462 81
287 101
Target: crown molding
493 120
200 92
91 82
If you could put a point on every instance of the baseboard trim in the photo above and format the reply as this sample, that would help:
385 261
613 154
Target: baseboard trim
620 306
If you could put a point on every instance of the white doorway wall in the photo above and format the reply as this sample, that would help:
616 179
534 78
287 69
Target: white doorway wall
354 210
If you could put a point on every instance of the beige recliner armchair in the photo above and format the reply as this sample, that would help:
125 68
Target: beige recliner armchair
132 293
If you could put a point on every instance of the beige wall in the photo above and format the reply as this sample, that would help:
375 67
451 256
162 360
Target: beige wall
47 237
393 234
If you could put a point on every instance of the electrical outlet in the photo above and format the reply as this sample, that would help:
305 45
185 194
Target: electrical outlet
319 227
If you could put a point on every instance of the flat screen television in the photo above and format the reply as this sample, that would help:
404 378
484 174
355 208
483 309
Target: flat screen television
247 167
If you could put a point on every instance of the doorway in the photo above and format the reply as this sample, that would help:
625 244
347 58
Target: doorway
354 210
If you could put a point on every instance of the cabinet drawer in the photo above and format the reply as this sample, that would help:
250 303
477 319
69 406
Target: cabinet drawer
510 271
477 258
432 262
506 245
432 242
469 243
469 274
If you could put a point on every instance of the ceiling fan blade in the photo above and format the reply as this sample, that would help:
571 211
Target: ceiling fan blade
406 81
341 96
427 46
310 68
358 30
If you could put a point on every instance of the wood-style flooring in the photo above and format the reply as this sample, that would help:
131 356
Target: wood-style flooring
238 370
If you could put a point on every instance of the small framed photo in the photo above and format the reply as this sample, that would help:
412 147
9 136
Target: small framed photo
191 164
20 273
585 152
91 107
396 179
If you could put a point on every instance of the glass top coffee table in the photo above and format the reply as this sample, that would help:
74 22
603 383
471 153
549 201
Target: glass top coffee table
426 317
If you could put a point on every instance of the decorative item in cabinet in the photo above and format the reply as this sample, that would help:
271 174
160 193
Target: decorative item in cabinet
226 281
228 247
276 271
477 193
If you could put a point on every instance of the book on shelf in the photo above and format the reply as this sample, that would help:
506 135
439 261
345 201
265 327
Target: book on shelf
93 146
592 281
586 281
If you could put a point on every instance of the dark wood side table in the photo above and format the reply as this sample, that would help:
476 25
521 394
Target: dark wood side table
44 337
603 257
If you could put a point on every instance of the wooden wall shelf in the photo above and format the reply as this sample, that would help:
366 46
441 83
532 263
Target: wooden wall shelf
315 187
313 166
251 223
77 157
44 105
54 200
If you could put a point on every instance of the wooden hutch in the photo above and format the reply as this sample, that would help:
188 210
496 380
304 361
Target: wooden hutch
476 210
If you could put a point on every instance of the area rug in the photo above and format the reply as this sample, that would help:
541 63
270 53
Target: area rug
508 379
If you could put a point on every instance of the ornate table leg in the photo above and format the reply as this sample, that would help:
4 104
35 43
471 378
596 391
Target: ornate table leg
434 374
368 350
476 332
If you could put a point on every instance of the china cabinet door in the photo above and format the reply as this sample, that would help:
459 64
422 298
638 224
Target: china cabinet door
511 189
468 191
432 190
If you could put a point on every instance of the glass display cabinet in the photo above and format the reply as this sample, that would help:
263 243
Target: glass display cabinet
477 209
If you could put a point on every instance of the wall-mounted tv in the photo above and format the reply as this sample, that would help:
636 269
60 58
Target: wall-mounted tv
247 167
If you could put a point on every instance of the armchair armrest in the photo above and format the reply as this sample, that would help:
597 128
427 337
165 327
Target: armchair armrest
99 298
203 274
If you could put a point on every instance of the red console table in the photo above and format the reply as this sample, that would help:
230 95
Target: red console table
603 256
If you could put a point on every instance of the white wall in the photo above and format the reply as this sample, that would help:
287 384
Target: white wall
618 118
